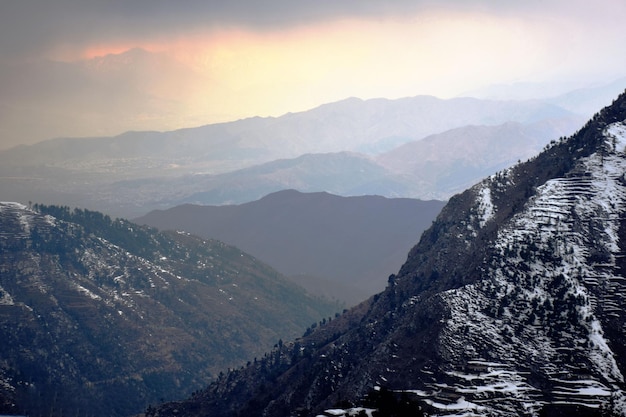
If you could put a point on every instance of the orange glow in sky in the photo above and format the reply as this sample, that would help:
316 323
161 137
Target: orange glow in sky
274 72
221 73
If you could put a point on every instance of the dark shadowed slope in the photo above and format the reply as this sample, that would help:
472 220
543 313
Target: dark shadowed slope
101 317
354 242
512 304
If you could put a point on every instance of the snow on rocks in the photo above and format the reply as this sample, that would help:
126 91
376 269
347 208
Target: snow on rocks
486 209
616 136
554 266
349 412
5 298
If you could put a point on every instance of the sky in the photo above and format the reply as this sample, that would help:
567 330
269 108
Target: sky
94 68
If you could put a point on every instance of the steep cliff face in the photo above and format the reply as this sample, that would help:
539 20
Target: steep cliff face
103 317
512 303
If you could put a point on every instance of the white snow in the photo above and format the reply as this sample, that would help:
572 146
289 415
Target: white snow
5 298
460 405
25 219
583 385
10 205
485 205
350 412
87 292
616 133
336 412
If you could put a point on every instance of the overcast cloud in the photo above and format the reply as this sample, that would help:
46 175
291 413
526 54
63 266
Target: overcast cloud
34 26
220 60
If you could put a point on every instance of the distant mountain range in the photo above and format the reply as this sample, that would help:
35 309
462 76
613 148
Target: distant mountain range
346 148
585 101
354 125
340 247
513 303
104 317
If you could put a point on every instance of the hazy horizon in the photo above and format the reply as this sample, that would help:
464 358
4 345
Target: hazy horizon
81 68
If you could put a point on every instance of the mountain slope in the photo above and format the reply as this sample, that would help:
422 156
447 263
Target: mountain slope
446 163
352 241
341 173
103 317
511 304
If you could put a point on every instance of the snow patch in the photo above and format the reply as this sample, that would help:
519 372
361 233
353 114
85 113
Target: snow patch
616 134
88 293
10 205
460 405
350 412
486 209
5 298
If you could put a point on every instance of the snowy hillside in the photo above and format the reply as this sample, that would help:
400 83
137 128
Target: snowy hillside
547 275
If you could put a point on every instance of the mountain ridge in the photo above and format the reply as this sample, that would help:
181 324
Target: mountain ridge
354 242
103 316
365 119
511 304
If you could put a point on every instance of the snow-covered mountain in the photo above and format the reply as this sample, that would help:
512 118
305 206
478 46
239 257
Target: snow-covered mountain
103 317
512 304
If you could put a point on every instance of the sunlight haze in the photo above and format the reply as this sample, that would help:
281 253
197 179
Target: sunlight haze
71 68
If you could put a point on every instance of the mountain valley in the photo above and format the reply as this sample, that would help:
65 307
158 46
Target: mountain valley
312 208
512 303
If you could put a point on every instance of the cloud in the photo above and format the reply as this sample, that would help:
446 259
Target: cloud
220 60
29 27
